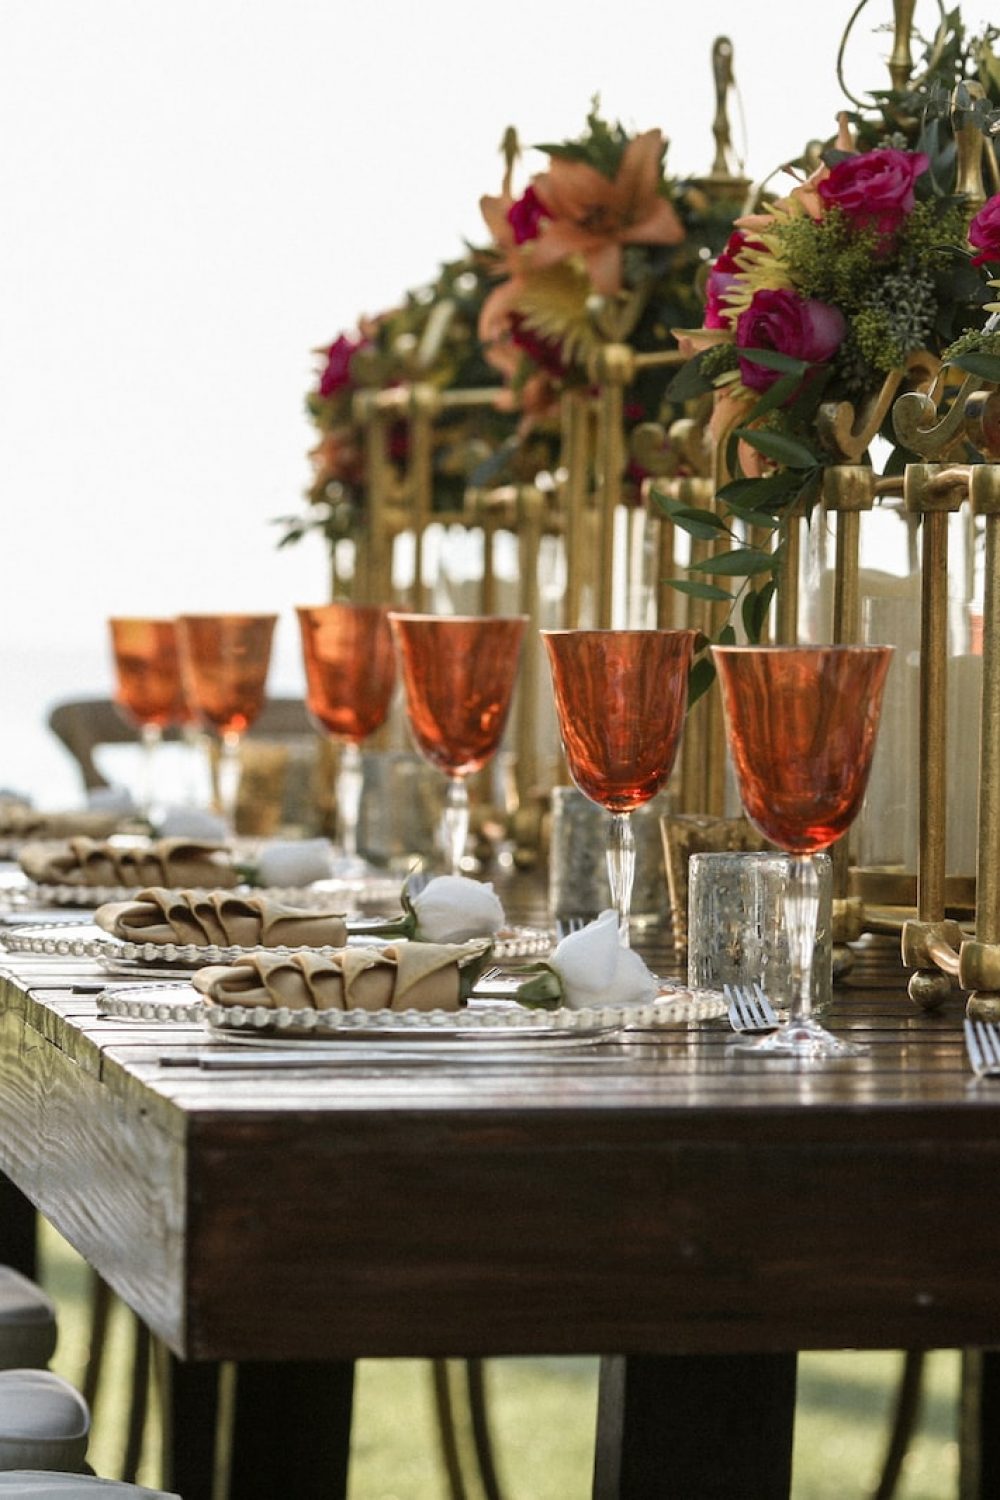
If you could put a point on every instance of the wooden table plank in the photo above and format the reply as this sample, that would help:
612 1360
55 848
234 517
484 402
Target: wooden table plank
652 1197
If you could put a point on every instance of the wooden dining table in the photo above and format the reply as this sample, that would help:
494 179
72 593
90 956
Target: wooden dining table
693 1217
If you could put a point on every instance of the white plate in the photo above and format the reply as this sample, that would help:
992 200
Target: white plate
176 1003
156 960
84 940
489 1020
310 898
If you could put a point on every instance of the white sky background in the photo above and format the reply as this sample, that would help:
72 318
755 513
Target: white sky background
194 195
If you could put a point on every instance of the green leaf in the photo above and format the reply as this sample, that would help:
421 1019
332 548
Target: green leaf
544 992
764 519
777 445
741 562
770 359
750 493
698 590
755 608
976 362
727 636
704 524
689 381
779 393
700 679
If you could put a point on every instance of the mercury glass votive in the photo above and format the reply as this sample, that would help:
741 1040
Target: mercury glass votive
736 924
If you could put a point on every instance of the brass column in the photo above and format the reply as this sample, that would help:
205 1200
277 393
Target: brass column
576 462
979 961
615 369
932 493
423 408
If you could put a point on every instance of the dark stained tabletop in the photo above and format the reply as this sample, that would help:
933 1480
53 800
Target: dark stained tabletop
642 1194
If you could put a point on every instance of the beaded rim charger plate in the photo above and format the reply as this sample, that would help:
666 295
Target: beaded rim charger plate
88 896
482 1020
116 956
487 1020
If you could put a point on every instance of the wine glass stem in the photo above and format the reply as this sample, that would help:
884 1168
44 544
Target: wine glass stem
801 916
349 783
621 869
150 734
455 823
229 776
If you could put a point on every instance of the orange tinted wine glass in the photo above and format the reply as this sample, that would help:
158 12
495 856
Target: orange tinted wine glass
458 673
225 660
801 723
350 674
620 700
149 689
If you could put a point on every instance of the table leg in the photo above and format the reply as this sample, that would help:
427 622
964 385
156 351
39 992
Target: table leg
17 1229
979 1430
286 1429
695 1427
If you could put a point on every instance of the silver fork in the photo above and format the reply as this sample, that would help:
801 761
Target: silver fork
982 1042
566 925
749 1008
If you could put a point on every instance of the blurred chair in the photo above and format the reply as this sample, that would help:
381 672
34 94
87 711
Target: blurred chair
36 1484
84 724
27 1323
44 1422
286 776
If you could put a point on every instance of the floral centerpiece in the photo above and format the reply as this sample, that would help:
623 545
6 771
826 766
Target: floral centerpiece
820 307
601 246
431 337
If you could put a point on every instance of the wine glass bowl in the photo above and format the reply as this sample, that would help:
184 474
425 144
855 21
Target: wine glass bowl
620 700
225 661
350 667
149 690
801 723
458 673
802 728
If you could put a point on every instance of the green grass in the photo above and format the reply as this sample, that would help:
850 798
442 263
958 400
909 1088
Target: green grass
543 1417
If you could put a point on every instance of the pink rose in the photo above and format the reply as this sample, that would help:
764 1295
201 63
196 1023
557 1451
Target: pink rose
526 215
875 189
720 278
984 232
336 374
802 328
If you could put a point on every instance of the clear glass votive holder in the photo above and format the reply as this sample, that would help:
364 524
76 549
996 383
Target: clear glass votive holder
736 924
578 868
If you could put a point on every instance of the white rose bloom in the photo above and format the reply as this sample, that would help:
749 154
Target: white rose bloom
454 909
295 861
596 970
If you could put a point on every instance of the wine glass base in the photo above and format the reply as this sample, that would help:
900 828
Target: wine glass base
798 1039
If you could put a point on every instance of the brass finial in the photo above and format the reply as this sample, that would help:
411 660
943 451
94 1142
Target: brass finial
901 60
510 147
725 164
969 142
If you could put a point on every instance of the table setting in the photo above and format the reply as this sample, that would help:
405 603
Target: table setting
621 511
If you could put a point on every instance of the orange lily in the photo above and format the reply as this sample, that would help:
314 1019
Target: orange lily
499 304
594 216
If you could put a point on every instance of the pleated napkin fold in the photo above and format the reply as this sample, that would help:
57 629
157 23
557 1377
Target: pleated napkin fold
20 822
177 863
219 918
405 976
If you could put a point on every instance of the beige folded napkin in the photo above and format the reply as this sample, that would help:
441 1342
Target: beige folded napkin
406 976
221 918
176 863
20 822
